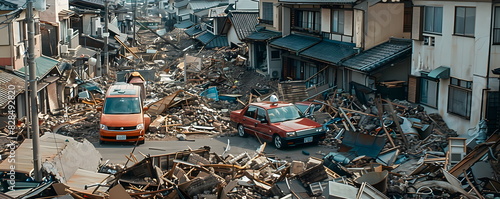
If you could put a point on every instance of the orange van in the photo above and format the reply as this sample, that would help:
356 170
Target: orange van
123 117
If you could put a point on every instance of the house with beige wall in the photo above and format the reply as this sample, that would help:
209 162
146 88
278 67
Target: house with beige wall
455 49
310 40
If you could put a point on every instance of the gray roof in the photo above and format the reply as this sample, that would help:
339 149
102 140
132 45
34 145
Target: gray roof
194 30
184 24
181 3
6 80
210 40
201 5
263 35
380 55
295 42
244 23
319 1
329 51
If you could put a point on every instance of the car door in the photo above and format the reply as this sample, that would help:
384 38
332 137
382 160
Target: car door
262 126
249 120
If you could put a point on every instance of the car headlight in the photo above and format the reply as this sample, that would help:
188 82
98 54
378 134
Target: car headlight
104 127
140 126
319 129
290 134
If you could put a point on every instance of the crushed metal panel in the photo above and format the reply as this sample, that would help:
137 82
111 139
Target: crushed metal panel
363 144
376 179
199 185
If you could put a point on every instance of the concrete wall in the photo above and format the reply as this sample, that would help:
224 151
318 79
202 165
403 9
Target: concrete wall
466 56
245 4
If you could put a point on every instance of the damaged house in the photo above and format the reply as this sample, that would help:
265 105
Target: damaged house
322 43
455 49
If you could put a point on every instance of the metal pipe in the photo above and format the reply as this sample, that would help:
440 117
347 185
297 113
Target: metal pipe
33 91
106 38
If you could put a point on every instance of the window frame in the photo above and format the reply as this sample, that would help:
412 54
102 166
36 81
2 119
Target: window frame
460 85
422 78
298 22
496 26
433 20
340 21
464 22
265 13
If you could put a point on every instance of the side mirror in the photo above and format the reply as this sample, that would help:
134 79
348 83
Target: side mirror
145 108
263 121
99 108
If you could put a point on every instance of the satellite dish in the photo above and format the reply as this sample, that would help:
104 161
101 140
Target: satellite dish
273 98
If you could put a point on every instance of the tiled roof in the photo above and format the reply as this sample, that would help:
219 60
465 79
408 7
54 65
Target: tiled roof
263 35
295 42
194 30
184 24
319 1
380 55
329 51
181 3
6 80
43 66
244 23
209 40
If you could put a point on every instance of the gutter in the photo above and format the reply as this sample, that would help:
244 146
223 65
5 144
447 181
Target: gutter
489 61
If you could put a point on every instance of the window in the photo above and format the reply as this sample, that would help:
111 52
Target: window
465 19
275 54
433 19
122 105
251 112
261 114
308 20
428 91
496 27
267 13
460 97
338 21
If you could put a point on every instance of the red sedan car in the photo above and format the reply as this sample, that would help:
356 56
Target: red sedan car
279 122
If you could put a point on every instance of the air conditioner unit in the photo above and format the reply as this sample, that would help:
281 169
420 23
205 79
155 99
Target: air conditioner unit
64 49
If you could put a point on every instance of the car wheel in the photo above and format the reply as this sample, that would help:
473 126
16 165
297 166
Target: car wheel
241 131
141 142
278 142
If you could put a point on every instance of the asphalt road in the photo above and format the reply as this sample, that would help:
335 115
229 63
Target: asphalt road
115 152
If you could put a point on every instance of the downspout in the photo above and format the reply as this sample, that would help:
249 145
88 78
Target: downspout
489 60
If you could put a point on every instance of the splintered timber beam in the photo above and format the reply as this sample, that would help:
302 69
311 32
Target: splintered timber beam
126 47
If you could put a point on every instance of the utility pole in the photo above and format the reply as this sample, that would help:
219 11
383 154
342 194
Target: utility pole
106 37
133 20
33 91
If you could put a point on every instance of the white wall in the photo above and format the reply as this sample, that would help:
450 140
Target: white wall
232 37
466 56
385 20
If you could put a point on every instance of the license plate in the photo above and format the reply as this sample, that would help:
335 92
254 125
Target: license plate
308 139
121 137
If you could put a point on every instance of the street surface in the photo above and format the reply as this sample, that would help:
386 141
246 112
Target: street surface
115 152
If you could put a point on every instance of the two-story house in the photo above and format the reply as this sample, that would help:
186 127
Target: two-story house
318 39
455 49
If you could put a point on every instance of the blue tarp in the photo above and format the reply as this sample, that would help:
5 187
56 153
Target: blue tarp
211 92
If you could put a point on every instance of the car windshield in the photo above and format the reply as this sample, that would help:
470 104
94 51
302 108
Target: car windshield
122 105
284 113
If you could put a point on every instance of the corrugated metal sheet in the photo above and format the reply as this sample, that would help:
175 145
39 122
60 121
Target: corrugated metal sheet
201 5
205 37
7 79
244 23
294 42
181 4
380 55
329 51
43 66
217 42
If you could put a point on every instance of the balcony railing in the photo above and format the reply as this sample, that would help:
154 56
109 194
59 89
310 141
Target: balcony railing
337 37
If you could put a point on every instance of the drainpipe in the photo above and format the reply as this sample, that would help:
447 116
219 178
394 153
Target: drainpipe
488 64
